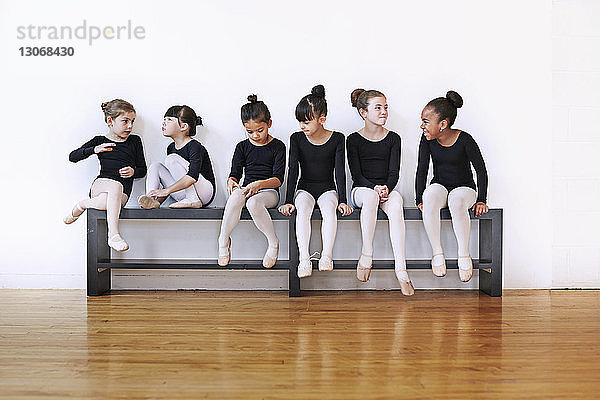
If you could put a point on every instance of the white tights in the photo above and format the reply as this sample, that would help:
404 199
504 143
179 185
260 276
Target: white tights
368 200
107 194
175 168
257 206
305 203
459 200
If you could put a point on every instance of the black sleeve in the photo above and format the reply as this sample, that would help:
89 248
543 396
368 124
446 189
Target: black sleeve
293 168
340 169
476 159
394 164
238 162
86 150
354 162
139 171
196 158
279 162
422 169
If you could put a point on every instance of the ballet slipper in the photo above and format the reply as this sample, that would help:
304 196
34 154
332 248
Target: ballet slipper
147 202
186 203
304 268
325 263
268 260
363 269
117 243
406 286
69 219
465 268
225 254
438 268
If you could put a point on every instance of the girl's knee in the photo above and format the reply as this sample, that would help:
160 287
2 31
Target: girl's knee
155 166
370 199
255 204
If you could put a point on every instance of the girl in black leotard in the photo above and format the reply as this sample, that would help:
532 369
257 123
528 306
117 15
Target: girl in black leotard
452 152
187 173
374 159
260 159
121 158
319 154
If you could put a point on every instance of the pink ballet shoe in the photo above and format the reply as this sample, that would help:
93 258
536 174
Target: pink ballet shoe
186 203
147 202
268 261
117 243
69 219
363 269
439 269
465 268
224 259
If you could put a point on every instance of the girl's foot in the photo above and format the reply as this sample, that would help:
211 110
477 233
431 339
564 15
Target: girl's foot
117 243
465 268
147 202
270 257
75 213
305 268
406 285
438 265
225 254
363 268
186 203
325 263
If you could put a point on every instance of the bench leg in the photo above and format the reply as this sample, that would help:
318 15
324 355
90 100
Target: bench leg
490 248
98 283
294 281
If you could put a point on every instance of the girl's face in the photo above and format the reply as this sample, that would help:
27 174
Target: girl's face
376 112
258 131
122 125
170 126
431 125
313 126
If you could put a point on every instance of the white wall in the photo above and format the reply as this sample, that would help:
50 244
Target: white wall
211 55
576 143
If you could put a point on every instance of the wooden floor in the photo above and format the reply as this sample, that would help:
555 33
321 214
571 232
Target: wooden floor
334 345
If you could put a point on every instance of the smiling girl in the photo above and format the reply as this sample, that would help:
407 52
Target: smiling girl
121 157
374 159
452 152
260 159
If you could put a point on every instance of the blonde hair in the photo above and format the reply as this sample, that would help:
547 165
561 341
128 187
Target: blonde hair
115 107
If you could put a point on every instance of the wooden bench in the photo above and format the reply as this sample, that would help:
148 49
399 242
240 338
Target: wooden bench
99 262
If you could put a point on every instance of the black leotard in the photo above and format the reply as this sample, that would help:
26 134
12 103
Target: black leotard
258 162
317 164
374 163
197 155
129 153
451 166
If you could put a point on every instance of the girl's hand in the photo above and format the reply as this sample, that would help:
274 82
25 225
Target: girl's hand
480 208
232 184
126 172
251 189
287 209
344 209
383 192
420 207
104 147
158 193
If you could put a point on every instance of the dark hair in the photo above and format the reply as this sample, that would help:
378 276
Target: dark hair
115 107
256 110
360 98
445 107
185 114
312 105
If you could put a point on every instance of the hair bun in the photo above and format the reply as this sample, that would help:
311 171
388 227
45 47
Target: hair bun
198 120
355 95
252 98
318 91
454 98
